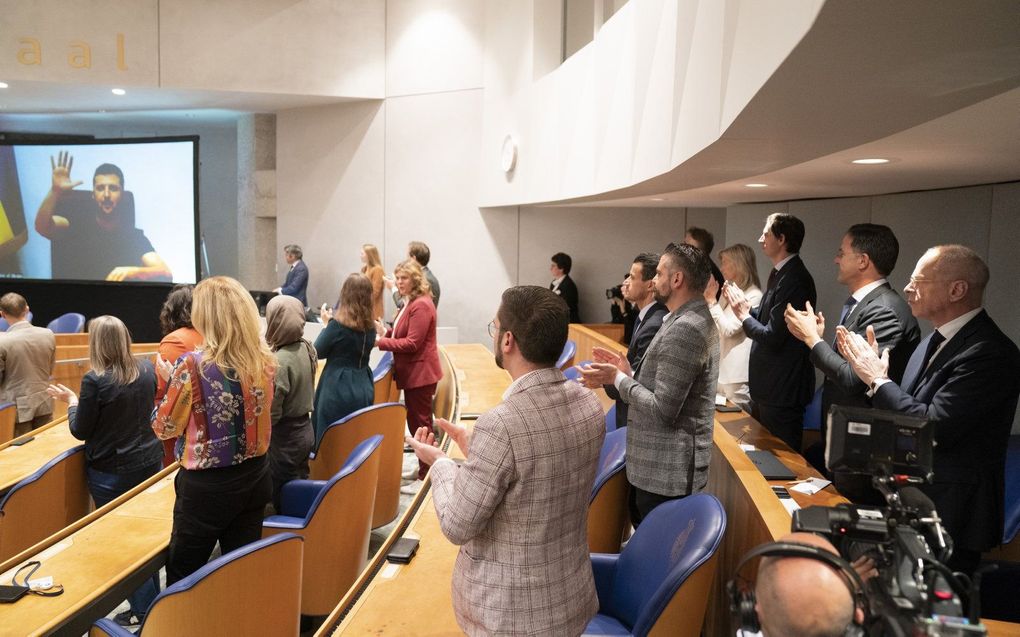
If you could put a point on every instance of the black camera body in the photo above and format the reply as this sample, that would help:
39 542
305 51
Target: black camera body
614 293
914 592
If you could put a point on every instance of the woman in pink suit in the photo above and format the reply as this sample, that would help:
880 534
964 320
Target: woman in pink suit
412 339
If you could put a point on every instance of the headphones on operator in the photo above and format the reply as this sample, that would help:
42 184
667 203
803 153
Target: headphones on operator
742 600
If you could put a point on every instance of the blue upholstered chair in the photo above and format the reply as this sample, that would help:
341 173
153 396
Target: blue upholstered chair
255 590
608 516
567 357
4 324
382 378
341 438
43 503
335 519
662 579
384 365
70 323
611 418
571 372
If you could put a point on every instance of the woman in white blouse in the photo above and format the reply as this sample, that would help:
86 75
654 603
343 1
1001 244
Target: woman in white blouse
738 266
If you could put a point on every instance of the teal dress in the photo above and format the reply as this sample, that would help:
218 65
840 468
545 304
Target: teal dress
346 382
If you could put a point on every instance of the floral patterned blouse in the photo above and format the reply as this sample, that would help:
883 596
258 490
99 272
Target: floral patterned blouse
220 421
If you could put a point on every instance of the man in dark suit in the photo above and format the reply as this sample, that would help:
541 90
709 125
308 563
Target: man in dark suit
703 240
296 283
563 285
672 396
639 289
965 379
780 376
866 256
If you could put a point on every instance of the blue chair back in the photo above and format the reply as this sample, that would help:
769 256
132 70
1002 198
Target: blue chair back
672 542
358 456
4 325
611 419
569 349
70 323
382 367
571 372
612 459
813 413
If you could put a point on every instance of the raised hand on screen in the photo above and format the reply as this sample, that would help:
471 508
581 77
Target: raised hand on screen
62 172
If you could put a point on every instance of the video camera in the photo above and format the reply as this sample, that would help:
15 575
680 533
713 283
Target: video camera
914 592
614 293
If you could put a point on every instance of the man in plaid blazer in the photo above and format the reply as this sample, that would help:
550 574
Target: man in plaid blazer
519 505
672 395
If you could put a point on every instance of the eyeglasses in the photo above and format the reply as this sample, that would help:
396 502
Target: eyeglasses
916 281
492 328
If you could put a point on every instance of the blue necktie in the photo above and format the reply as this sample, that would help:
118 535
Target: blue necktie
933 344
633 332
847 308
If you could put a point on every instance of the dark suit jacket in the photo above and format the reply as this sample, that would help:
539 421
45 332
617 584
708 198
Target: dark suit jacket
568 292
969 392
635 353
895 328
779 371
297 283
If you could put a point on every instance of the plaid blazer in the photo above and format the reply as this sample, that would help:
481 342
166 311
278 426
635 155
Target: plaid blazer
519 508
672 404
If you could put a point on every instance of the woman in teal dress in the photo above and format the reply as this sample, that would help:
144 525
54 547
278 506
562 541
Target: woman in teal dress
346 343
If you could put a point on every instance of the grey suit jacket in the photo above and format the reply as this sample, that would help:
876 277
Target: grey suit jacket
27 354
519 508
672 404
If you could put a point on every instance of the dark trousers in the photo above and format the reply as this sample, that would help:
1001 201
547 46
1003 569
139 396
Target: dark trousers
641 503
107 487
291 442
224 505
418 401
22 428
785 422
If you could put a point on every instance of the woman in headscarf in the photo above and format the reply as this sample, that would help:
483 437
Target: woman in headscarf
292 437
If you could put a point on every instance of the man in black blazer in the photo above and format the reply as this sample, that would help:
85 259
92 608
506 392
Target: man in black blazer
965 379
563 285
703 240
639 289
780 376
866 256
296 283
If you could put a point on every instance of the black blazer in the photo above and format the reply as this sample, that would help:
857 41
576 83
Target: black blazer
969 392
568 292
895 328
779 371
635 353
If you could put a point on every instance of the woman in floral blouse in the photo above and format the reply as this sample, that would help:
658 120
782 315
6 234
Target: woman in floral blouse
218 402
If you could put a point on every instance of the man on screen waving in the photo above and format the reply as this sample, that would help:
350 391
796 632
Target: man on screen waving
102 244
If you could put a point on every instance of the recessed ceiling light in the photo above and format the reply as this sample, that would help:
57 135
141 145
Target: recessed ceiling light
658 199
870 161
756 185
3 85
118 91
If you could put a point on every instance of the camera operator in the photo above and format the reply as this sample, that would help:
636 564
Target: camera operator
802 595
621 311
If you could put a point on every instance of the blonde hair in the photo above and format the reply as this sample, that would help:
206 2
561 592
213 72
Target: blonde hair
744 262
355 309
373 260
110 350
419 284
224 314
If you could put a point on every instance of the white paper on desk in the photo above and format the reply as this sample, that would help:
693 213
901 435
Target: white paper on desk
746 447
811 487
789 504
720 400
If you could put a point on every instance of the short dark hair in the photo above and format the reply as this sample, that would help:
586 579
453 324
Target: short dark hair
649 262
878 242
562 261
692 262
14 304
176 311
789 227
108 169
419 252
294 249
703 237
538 319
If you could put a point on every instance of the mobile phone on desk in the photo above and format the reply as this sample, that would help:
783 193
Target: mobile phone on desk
24 441
727 409
402 550
11 594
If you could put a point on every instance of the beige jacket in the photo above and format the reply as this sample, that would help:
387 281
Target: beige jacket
27 354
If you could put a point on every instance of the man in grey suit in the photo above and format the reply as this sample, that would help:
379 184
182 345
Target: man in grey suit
672 396
518 506
27 354
420 252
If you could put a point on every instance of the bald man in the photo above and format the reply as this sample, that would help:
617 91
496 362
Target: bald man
803 596
965 379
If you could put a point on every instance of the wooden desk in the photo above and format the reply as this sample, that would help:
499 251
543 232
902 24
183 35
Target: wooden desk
481 382
19 462
99 564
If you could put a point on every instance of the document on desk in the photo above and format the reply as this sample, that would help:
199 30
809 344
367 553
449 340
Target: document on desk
810 486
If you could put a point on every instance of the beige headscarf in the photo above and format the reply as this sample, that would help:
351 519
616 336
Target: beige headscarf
285 324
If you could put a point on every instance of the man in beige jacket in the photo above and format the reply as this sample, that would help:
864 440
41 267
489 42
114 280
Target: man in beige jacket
27 354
